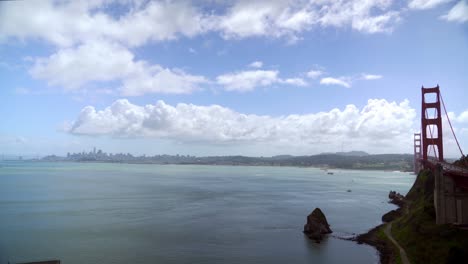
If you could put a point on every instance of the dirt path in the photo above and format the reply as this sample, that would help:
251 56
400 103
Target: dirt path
388 232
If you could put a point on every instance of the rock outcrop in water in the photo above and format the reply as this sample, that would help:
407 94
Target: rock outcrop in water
317 225
396 198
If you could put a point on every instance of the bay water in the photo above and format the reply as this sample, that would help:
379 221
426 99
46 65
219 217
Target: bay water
135 213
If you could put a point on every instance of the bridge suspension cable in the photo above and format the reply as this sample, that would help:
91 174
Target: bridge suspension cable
450 123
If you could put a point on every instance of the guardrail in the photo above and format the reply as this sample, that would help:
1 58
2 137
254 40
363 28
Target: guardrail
459 171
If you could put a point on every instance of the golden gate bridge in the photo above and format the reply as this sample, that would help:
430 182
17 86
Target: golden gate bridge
451 181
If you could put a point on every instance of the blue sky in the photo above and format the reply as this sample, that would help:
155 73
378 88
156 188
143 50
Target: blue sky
218 78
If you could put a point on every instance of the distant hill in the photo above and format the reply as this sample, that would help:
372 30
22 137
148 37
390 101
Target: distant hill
342 160
349 153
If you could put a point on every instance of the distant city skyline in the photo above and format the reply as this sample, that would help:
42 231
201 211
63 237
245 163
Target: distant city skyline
252 78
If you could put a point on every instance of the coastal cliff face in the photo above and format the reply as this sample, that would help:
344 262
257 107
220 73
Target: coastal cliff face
417 232
414 228
317 225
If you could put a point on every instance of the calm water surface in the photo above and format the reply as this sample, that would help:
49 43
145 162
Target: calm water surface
121 213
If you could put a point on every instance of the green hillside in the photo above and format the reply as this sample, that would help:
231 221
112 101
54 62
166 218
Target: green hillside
416 231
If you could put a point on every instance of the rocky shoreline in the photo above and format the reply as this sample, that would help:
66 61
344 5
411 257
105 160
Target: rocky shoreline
376 238
411 232
317 227
383 246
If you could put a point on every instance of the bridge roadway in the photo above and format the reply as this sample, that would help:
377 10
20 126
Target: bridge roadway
459 174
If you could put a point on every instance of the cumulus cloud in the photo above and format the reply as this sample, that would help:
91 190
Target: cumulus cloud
93 61
364 16
94 44
315 73
73 22
460 126
65 23
256 64
244 81
100 61
247 80
382 124
426 4
288 18
377 24
294 81
371 77
347 81
156 79
462 118
458 13
73 68
335 81
260 18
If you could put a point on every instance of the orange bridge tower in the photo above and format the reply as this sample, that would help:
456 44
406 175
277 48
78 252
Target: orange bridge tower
431 126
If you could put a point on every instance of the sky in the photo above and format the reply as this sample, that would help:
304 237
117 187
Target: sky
256 78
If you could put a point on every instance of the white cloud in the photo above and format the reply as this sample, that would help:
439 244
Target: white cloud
289 18
371 76
426 4
94 44
165 20
256 64
93 61
364 16
70 23
260 18
459 124
65 23
75 68
462 118
336 81
347 81
314 73
458 13
156 79
379 124
101 61
294 81
244 81
377 24
247 80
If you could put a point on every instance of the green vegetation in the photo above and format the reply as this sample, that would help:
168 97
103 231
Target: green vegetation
462 162
381 233
377 238
396 252
416 231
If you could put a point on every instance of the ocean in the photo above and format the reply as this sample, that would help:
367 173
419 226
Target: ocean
130 213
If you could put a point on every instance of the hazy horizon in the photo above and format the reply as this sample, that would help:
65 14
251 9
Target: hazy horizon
32 156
